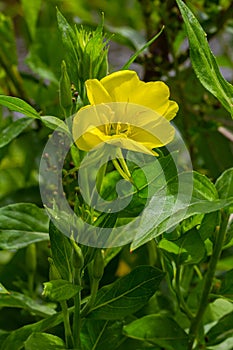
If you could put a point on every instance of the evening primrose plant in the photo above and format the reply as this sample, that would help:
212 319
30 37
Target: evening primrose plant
125 247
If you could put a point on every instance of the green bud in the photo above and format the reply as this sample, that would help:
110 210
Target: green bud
53 272
31 258
78 259
65 93
98 265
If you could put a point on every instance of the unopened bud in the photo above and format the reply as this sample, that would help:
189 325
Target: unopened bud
78 256
98 265
65 88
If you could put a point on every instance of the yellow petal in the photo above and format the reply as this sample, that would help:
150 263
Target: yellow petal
125 86
119 84
154 95
129 144
96 92
171 111
90 139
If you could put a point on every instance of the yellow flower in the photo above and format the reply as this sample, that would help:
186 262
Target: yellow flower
126 112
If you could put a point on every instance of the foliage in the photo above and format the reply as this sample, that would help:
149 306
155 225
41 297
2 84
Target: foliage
169 287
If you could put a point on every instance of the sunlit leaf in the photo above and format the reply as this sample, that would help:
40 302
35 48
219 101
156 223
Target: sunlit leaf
204 62
18 105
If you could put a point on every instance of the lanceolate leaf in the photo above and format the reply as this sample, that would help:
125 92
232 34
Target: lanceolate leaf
204 62
133 58
22 224
221 331
42 341
68 40
101 335
14 129
177 207
61 252
160 330
18 300
224 184
59 290
128 294
18 105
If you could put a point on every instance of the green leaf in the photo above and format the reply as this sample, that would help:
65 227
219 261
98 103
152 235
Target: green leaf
224 184
3 335
134 56
18 300
54 123
18 105
59 290
69 41
3 290
178 206
101 335
226 289
13 130
16 338
61 252
158 329
221 331
204 62
128 294
203 188
22 224
188 249
208 225
31 11
41 341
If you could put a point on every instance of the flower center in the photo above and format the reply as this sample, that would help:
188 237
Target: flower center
118 129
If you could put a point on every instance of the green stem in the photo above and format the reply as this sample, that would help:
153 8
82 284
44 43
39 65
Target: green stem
179 294
151 248
31 262
77 311
66 320
100 177
196 323
124 167
96 274
90 303
120 170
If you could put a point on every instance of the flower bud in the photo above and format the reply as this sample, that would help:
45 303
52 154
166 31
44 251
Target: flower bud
98 265
78 259
65 89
